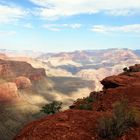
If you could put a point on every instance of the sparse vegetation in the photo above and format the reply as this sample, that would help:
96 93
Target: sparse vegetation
87 103
89 99
135 68
52 107
85 107
116 125
125 69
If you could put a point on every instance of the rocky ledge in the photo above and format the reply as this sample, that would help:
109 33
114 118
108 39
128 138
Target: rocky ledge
12 69
74 124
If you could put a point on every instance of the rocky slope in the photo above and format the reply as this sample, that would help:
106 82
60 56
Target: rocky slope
15 75
25 88
80 124
17 82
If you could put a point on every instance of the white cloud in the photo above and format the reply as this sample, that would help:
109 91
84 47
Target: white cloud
134 28
28 25
52 27
59 27
7 33
122 12
10 13
75 26
53 9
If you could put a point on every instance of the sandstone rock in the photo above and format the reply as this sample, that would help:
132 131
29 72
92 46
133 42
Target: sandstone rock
61 127
11 69
8 92
135 68
22 82
121 80
51 128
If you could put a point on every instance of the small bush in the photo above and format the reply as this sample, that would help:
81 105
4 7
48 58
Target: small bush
52 108
137 114
93 97
89 99
126 69
105 127
116 125
85 107
124 117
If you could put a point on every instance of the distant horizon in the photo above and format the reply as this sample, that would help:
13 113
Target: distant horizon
12 50
64 25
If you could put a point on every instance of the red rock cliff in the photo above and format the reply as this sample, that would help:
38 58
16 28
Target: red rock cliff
11 69
16 75
80 124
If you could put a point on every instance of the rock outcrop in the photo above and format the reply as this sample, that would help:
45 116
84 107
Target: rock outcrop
15 75
121 80
11 69
8 91
135 68
130 77
23 82
80 124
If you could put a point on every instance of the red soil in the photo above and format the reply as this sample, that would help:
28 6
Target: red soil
81 125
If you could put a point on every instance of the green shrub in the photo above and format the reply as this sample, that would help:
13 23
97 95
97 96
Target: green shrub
126 69
85 107
137 114
105 127
93 97
52 107
116 125
89 99
124 117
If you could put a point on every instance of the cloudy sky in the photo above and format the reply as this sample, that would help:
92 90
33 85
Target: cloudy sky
66 25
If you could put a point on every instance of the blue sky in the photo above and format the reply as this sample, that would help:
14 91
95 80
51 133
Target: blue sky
67 25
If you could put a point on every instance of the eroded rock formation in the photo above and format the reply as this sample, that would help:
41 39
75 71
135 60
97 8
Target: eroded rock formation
15 75
80 124
8 91
11 69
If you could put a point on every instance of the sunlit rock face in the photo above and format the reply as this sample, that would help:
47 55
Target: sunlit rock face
16 76
82 124
11 69
23 82
130 77
95 75
8 92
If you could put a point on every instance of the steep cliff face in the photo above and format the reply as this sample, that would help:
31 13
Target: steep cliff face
12 69
19 97
15 75
80 124
95 75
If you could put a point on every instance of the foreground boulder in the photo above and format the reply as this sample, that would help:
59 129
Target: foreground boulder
121 80
82 124
135 68
130 77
